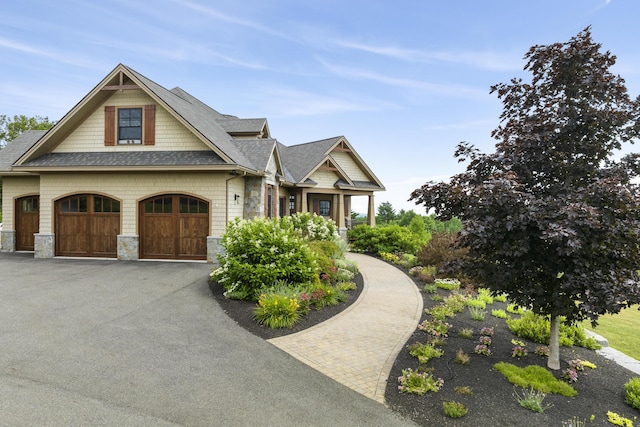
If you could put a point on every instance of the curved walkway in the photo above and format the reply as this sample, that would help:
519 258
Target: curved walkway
357 348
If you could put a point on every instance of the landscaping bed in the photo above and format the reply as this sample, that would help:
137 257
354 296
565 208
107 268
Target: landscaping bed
242 312
493 403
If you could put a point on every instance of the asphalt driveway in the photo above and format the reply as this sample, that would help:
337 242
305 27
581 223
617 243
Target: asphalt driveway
112 343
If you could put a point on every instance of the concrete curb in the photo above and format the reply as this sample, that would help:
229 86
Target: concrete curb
612 354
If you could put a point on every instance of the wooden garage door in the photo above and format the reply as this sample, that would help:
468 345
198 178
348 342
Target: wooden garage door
174 227
87 225
27 222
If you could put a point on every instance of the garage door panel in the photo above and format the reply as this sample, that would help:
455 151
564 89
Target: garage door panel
82 230
174 227
103 229
71 237
158 238
192 241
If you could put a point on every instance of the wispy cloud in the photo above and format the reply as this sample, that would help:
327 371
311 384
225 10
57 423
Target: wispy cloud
484 60
55 55
219 16
448 89
285 102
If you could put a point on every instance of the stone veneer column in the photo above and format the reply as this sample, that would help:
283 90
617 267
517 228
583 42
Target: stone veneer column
253 197
44 245
128 247
7 241
214 248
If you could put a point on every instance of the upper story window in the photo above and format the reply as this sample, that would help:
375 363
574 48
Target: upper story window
130 126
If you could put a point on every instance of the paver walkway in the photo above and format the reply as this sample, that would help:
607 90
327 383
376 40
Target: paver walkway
357 348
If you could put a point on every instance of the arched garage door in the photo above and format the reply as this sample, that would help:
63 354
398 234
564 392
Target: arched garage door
87 225
174 226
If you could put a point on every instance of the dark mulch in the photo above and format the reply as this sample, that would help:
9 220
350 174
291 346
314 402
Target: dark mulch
492 403
242 312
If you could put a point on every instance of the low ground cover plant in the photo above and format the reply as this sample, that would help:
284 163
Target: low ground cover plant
632 392
531 399
454 409
536 377
536 328
424 352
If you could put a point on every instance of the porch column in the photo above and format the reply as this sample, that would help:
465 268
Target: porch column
371 213
303 201
340 206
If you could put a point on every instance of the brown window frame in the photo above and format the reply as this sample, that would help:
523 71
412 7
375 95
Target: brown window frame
111 125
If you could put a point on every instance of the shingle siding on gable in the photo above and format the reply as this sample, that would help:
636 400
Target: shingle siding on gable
349 166
170 134
324 179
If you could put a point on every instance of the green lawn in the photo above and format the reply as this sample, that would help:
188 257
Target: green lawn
621 330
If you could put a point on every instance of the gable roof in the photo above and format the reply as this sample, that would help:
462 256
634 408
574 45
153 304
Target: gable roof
16 148
303 160
234 143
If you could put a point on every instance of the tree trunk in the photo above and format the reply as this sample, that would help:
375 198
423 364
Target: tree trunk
554 344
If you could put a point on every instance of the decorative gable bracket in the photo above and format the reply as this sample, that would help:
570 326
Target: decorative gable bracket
122 84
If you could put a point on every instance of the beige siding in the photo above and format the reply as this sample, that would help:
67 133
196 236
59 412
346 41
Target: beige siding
171 135
129 189
12 189
324 178
236 207
349 166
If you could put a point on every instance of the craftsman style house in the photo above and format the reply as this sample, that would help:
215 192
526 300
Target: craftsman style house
137 171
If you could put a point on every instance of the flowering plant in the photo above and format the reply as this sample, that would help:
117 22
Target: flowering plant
485 340
436 328
542 350
519 351
486 331
570 374
482 349
418 382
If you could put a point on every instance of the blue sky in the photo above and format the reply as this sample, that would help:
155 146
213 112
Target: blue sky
403 80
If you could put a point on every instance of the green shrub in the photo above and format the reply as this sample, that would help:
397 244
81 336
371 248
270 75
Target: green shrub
424 274
441 250
424 352
440 311
477 313
430 288
408 260
315 227
448 284
262 251
632 392
514 309
478 303
531 399
500 298
389 257
277 310
484 294
536 377
536 328
456 302
388 238
466 333
454 409
500 314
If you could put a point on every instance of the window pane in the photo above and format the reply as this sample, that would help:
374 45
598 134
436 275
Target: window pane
115 205
184 205
73 205
83 204
166 205
129 125
203 207
97 204
325 207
